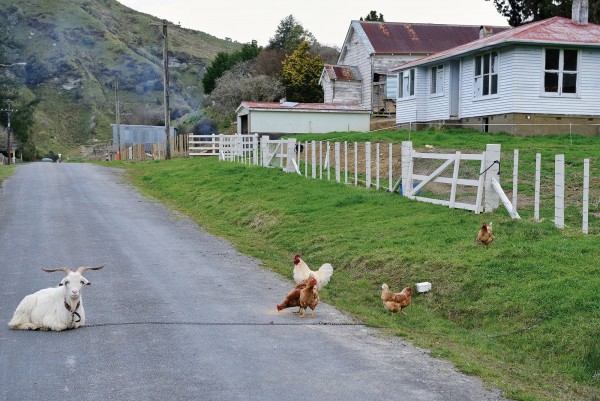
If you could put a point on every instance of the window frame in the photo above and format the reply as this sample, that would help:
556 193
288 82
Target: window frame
561 72
436 80
486 71
409 76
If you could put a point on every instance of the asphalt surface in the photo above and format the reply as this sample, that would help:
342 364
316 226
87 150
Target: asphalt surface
177 314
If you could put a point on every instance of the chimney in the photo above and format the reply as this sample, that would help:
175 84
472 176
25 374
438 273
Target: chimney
485 32
579 12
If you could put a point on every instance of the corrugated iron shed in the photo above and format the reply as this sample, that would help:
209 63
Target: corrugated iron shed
410 38
553 31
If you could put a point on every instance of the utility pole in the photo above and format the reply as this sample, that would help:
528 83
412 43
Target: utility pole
8 112
165 25
118 117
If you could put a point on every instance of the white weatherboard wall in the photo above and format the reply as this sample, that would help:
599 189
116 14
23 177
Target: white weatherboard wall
306 122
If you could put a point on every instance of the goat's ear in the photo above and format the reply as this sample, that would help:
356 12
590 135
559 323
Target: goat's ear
62 282
85 281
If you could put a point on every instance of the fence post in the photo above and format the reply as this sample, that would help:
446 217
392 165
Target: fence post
264 147
320 160
492 163
346 162
368 164
390 158
536 202
313 155
377 166
559 191
291 155
337 161
355 163
515 179
586 194
306 159
406 163
328 160
255 142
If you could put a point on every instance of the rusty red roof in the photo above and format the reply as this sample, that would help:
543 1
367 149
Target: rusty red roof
303 106
403 38
555 31
347 72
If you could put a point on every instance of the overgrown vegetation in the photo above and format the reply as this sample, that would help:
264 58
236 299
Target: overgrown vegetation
523 314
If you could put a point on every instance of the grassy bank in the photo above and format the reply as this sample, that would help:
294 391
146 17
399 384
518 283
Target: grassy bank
5 171
523 314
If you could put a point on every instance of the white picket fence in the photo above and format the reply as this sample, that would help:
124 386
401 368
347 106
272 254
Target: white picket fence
286 154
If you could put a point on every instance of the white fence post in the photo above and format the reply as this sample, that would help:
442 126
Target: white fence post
264 144
337 162
355 163
290 159
538 171
346 162
559 191
328 160
368 164
255 148
454 180
320 160
314 159
406 162
390 181
586 194
492 162
306 159
515 179
377 166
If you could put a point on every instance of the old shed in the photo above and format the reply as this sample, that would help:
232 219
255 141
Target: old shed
301 118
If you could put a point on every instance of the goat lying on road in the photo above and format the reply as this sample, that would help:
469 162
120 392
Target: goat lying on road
57 308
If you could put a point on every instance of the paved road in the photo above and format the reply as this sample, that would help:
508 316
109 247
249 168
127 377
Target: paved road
177 314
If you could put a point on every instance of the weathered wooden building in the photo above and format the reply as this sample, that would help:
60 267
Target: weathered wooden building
373 48
341 84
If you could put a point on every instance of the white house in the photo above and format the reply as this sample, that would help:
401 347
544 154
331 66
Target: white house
300 118
373 48
545 72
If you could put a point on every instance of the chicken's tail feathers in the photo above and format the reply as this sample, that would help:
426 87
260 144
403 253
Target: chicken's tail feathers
324 274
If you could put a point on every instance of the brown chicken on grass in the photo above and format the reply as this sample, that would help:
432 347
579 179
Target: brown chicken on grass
292 298
309 296
395 301
485 235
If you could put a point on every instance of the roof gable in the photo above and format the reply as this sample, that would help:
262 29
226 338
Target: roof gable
411 38
342 72
553 31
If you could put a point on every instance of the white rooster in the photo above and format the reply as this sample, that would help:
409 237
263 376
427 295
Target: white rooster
302 271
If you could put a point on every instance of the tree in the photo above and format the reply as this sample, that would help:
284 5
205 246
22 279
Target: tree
300 74
519 12
237 85
224 62
269 62
373 17
289 35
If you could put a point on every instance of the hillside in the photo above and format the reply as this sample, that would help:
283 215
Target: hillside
74 51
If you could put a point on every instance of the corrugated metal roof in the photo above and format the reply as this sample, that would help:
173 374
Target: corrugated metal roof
556 31
403 38
347 72
303 106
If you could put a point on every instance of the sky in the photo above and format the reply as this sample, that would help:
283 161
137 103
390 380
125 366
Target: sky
328 20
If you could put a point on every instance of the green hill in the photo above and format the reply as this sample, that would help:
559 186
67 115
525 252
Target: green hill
74 51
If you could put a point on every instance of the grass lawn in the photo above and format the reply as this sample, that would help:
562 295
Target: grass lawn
5 171
524 314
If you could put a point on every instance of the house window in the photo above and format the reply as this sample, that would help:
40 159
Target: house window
560 71
486 74
437 79
407 83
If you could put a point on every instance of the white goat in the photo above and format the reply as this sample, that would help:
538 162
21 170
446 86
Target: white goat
57 308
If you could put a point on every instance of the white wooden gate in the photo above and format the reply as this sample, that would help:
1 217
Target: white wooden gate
279 153
487 184
203 145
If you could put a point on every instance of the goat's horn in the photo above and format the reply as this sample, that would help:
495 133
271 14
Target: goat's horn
84 268
67 270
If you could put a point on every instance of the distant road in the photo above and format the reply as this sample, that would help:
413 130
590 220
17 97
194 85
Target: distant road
177 314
